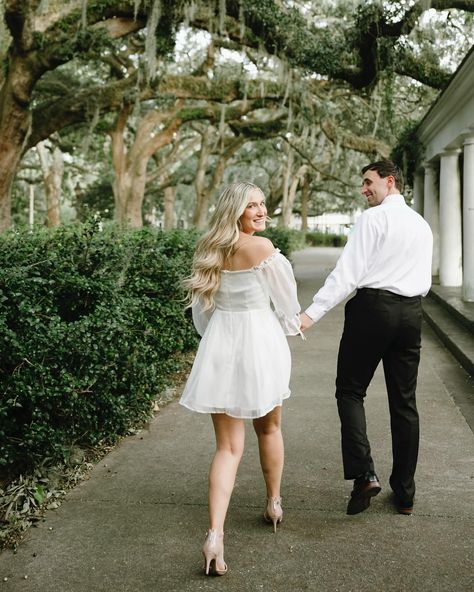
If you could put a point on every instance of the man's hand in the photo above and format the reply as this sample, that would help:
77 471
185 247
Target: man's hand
306 321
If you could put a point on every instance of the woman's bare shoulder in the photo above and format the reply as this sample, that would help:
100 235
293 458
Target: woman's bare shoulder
260 244
257 249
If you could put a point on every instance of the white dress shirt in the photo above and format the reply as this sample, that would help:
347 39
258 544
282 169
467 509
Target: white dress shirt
389 248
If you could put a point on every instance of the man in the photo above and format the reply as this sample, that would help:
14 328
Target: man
388 260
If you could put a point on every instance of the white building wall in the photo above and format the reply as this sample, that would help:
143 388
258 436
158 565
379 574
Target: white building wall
333 223
446 132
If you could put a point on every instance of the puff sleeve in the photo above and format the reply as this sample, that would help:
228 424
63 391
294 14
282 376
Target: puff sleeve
281 284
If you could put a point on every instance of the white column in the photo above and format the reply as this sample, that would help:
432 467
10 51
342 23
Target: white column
468 219
450 228
418 192
431 211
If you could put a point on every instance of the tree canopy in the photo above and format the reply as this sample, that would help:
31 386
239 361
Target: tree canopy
144 107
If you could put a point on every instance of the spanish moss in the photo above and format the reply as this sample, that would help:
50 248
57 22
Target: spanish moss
42 8
136 8
189 13
150 41
137 103
222 15
222 127
86 142
84 14
289 124
241 20
246 90
288 88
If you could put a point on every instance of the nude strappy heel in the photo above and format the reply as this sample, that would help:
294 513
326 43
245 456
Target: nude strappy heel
213 551
273 511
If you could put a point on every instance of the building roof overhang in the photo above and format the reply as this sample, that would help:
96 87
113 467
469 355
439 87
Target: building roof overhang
451 117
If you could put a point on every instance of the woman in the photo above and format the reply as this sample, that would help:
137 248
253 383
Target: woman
242 367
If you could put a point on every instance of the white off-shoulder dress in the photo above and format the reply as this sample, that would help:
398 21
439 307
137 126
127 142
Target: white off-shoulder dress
243 364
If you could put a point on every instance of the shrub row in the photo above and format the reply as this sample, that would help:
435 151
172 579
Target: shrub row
323 239
91 323
286 239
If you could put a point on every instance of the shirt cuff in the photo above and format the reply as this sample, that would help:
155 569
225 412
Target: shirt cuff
315 312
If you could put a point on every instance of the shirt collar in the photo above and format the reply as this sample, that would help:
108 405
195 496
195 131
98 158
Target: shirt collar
395 198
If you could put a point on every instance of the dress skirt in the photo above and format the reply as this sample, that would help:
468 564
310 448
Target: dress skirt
242 367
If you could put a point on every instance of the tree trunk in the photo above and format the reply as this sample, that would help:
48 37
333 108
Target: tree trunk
129 190
200 210
170 195
121 182
15 120
53 169
132 193
287 207
206 193
304 205
130 167
31 209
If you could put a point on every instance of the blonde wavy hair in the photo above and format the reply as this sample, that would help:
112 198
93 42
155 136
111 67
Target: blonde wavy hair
214 248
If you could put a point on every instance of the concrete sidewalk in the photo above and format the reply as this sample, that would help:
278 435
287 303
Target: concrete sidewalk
139 523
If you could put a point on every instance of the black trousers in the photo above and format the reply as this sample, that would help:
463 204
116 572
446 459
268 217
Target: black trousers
380 325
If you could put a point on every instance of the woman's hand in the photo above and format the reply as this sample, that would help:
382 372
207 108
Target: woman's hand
306 321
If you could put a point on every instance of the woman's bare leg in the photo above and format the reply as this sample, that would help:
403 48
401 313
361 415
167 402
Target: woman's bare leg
230 439
270 445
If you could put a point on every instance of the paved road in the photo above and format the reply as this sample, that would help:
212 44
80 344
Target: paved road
138 524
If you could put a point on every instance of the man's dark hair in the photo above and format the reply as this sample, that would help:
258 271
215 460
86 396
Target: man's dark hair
386 168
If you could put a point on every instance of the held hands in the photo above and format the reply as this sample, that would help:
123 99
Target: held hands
306 321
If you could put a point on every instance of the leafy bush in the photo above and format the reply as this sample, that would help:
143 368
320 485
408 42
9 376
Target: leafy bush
91 323
285 239
316 239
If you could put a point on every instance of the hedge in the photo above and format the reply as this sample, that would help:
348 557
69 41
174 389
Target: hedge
289 240
91 323
323 239
285 239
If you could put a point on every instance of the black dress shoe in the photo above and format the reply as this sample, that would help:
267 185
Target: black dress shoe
401 505
365 487
405 508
